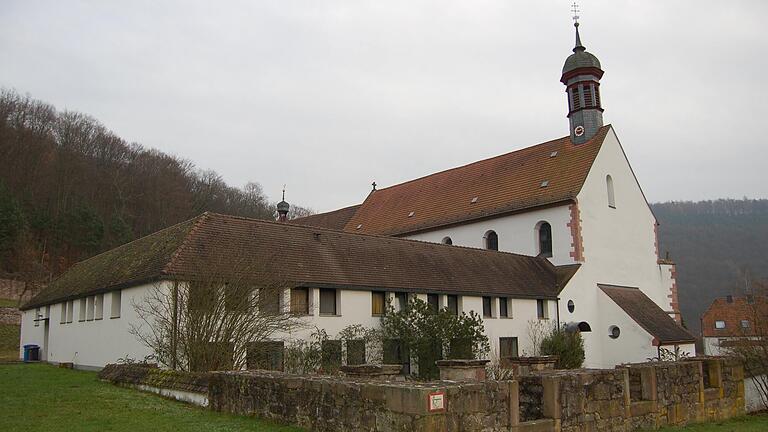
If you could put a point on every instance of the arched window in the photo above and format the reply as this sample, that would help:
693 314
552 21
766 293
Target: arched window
545 239
492 240
611 196
447 241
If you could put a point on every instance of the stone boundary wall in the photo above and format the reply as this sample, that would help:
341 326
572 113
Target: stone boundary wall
627 398
323 403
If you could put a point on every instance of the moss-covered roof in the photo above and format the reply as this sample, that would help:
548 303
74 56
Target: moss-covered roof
141 260
304 256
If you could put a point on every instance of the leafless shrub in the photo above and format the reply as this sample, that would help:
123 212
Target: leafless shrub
213 319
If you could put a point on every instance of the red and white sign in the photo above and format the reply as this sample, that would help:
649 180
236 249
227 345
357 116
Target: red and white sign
436 401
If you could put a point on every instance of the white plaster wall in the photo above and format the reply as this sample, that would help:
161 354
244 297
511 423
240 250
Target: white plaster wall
619 243
89 344
753 398
619 249
93 344
356 308
517 233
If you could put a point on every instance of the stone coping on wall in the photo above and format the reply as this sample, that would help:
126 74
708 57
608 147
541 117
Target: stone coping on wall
152 376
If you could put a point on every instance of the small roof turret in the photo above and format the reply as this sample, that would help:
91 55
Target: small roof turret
282 209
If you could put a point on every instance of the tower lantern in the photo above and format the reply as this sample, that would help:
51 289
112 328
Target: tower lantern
581 76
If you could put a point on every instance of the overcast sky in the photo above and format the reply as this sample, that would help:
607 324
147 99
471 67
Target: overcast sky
328 96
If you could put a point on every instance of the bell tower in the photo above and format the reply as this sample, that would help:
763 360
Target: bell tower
581 76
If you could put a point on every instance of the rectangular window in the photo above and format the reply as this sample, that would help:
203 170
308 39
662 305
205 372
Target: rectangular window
98 305
377 303
434 302
355 352
83 305
266 355
402 300
37 317
327 301
460 349
503 307
70 311
396 352
117 299
487 303
541 309
453 304
202 298
237 297
270 301
719 324
89 312
63 313
508 347
330 355
300 301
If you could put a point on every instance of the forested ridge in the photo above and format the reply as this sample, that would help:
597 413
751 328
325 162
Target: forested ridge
70 188
720 247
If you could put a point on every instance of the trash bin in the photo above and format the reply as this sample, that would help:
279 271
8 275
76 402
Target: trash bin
31 353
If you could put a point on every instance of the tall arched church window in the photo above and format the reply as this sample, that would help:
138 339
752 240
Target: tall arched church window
611 195
492 240
545 239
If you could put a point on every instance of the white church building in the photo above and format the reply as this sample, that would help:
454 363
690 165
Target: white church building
559 231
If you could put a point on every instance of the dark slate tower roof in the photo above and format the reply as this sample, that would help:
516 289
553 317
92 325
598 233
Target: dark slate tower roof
580 57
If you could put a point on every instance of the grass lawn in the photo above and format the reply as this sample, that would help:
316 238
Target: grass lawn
751 423
39 397
9 342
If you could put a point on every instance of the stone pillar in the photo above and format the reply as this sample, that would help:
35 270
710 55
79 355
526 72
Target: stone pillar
551 408
462 370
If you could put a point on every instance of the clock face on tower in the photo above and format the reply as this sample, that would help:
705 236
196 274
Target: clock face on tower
578 131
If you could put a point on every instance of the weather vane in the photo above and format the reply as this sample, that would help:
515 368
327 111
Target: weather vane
575 9
283 192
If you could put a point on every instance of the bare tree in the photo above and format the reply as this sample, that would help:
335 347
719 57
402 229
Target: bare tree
214 319
751 347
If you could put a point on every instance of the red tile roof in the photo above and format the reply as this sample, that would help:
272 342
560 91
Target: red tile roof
648 315
740 308
336 219
540 175
306 256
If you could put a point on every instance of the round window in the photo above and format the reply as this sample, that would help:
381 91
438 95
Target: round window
571 306
614 332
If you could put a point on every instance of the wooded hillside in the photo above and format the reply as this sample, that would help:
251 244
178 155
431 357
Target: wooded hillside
720 247
70 188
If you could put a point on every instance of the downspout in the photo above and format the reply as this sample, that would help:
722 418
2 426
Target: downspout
174 330
557 307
